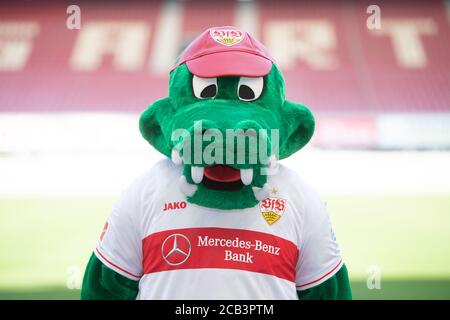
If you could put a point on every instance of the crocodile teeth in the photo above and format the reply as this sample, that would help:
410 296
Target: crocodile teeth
197 174
246 176
273 165
187 188
261 193
176 157
272 161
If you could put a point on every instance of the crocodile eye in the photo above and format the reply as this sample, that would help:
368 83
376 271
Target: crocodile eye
204 87
250 89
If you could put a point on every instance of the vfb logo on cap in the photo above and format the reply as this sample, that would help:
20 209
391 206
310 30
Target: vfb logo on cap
227 37
176 249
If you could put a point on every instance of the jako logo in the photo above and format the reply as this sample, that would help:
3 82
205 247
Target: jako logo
174 205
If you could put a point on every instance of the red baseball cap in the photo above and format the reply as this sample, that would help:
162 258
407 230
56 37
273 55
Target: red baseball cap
226 51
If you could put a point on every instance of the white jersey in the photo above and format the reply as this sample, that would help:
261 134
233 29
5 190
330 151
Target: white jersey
179 250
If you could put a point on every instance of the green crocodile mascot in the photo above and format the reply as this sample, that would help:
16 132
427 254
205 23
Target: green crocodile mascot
219 217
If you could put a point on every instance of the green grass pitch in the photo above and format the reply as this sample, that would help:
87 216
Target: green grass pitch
45 244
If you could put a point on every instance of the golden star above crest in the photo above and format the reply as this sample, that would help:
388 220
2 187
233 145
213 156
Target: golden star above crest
274 191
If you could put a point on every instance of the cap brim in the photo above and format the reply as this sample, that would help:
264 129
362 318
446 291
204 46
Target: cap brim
230 63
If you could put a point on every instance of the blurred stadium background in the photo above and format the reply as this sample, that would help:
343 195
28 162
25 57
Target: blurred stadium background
69 140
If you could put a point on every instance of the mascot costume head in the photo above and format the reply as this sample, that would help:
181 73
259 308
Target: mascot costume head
224 89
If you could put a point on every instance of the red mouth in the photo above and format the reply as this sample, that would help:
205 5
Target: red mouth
222 173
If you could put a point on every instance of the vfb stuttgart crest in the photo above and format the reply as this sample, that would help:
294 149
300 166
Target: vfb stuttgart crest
227 37
272 209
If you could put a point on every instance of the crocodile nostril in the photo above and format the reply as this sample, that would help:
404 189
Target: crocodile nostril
204 127
248 132
204 132
201 133
248 128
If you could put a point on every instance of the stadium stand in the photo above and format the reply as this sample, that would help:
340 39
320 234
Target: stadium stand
350 75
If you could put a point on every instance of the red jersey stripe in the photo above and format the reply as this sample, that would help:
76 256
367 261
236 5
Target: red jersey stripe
326 274
235 249
116 266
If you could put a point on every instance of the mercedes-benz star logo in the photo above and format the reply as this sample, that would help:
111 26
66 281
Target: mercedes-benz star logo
176 249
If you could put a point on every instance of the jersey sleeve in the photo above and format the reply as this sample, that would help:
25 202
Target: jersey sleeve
120 245
320 256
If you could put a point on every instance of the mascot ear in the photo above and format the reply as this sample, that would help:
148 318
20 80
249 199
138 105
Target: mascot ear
154 122
297 128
